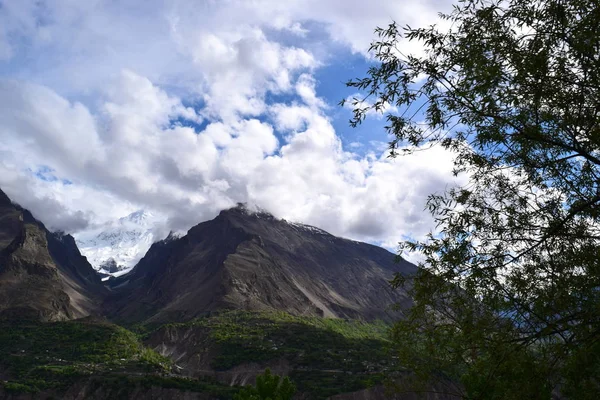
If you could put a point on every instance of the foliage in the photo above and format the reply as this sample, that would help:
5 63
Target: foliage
326 383
76 340
39 356
126 383
268 387
507 299
15 387
308 341
55 356
327 356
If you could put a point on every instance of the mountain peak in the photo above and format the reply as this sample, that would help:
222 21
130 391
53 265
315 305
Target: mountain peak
247 259
42 274
125 241
244 210
246 216
138 217
4 200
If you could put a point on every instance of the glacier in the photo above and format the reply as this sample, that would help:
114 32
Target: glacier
115 248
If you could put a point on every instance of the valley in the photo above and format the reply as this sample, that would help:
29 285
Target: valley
199 316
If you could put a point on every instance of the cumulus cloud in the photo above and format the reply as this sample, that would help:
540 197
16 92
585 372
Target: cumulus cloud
59 205
189 175
175 109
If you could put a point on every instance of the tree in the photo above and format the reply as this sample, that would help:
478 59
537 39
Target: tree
268 387
507 299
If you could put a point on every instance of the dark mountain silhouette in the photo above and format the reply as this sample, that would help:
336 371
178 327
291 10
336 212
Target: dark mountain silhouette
42 274
253 261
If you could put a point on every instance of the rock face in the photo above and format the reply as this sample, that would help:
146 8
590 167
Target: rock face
42 274
253 261
110 267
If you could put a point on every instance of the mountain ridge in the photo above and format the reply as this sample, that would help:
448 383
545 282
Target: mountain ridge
241 259
254 261
42 274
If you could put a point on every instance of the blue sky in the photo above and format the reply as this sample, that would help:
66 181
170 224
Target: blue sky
184 107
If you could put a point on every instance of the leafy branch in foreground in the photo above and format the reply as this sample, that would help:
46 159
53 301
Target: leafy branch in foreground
508 295
268 387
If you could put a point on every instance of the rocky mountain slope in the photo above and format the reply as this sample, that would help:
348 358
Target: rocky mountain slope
253 261
42 274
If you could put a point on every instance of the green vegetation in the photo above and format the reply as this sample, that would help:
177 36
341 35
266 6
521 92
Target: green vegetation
26 347
125 384
308 341
507 298
323 384
15 387
327 356
121 386
54 356
268 387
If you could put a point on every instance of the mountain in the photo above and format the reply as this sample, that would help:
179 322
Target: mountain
212 309
115 248
252 261
43 276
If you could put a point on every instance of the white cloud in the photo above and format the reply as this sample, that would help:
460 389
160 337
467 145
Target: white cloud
166 107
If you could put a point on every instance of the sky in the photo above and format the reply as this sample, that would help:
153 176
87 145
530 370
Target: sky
186 107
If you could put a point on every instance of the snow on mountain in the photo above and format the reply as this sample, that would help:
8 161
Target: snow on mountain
117 247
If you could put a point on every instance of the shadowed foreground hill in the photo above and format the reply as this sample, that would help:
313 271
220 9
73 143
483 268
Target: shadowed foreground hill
253 261
42 274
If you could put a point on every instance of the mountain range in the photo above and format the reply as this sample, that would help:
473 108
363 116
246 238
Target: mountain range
235 295
239 260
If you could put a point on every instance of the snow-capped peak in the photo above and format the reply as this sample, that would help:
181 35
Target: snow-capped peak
115 248
308 228
140 217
